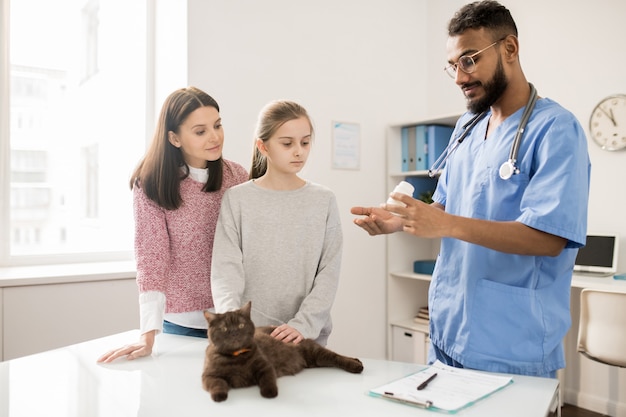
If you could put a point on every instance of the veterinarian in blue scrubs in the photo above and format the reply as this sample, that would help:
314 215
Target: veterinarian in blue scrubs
499 296
509 312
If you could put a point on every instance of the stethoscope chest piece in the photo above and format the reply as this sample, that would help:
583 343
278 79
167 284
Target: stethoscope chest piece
507 169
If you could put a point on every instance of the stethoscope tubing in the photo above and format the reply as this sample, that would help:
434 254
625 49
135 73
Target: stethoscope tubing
523 122
467 128
508 168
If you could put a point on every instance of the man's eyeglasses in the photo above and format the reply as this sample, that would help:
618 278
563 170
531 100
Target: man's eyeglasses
466 62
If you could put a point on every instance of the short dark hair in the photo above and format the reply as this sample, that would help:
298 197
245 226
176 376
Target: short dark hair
487 14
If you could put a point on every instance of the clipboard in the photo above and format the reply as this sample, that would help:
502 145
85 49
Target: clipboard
452 390
409 401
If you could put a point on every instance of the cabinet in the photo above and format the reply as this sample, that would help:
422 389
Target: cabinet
406 290
47 307
409 345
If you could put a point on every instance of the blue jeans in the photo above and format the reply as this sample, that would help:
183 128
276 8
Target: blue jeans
172 328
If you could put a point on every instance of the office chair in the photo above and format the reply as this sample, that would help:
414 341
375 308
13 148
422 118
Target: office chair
602 328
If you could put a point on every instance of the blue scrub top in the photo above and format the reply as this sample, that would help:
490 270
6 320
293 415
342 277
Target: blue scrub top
496 311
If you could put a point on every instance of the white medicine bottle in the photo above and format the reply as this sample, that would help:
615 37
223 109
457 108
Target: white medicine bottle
403 188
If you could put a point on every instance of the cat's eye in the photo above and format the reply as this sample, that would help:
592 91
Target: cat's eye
241 325
224 328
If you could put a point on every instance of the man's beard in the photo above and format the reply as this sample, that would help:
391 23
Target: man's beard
493 91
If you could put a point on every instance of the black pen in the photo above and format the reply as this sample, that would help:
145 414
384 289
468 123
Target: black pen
425 383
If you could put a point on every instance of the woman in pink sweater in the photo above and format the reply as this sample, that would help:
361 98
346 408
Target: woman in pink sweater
177 193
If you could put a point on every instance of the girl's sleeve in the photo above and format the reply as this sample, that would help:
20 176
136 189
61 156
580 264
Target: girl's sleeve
314 312
227 274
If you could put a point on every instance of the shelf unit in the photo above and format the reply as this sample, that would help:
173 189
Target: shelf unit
406 290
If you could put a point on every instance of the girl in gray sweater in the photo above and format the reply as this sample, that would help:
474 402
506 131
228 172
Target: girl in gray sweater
278 240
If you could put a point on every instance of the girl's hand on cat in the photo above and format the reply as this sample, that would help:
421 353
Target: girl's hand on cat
134 351
287 334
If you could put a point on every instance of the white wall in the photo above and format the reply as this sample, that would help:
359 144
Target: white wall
379 62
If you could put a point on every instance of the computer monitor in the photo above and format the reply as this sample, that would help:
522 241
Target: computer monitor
599 255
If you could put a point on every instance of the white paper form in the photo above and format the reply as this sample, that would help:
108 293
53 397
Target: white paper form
451 390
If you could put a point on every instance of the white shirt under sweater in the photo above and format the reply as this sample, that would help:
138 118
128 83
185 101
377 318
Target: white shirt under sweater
282 250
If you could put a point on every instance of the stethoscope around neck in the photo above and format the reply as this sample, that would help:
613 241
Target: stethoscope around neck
509 167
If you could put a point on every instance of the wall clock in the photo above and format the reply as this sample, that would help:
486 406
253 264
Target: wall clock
607 123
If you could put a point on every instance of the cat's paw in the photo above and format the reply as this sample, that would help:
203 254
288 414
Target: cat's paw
219 396
269 392
356 366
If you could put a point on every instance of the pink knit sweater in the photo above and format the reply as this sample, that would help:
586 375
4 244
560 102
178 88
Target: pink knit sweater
173 247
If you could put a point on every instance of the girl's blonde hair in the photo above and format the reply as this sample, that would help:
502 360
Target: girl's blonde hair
272 117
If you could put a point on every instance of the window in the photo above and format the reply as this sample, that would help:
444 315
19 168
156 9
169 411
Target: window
77 80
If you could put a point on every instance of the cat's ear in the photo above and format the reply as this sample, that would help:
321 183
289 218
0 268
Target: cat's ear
246 308
208 316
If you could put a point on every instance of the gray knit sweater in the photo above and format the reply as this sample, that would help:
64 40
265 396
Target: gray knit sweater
282 250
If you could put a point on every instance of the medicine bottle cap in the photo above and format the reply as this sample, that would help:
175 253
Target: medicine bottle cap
404 187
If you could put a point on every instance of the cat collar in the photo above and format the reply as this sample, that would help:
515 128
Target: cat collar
240 351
